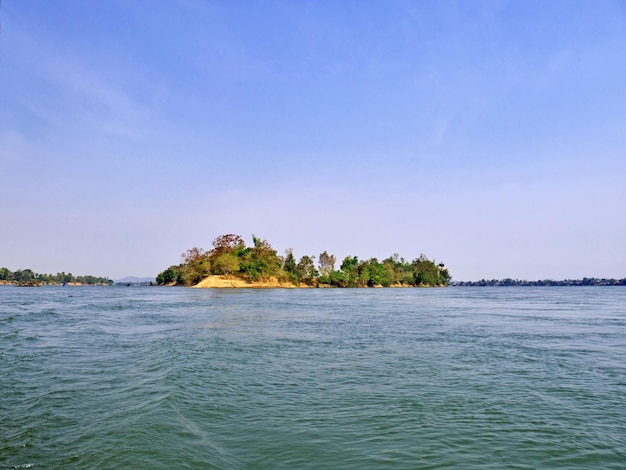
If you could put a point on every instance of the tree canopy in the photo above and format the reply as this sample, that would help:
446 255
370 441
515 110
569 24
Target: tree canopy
29 277
261 262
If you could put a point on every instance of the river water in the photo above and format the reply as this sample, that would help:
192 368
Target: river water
467 378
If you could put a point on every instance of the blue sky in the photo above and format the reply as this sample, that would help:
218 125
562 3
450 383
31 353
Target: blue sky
490 135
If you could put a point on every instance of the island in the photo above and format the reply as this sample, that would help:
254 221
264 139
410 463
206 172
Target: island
29 278
231 264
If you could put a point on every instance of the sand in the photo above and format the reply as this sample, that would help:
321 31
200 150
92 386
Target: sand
231 282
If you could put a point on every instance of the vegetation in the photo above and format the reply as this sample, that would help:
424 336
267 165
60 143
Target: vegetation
260 262
586 281
28 277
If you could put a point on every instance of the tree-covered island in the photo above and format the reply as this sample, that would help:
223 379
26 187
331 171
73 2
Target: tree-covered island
230 258
27 277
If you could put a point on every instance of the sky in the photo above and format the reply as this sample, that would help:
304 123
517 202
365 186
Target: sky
489 135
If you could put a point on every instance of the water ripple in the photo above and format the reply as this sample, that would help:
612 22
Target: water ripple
409 378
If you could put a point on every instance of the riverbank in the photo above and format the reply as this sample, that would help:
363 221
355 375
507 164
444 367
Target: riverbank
35 283
232 282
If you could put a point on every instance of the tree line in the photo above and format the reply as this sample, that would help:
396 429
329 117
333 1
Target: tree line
231 256
586 281
29 277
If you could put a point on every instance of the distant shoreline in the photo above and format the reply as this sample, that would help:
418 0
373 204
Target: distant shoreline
30 278
40 284
586 281
234 282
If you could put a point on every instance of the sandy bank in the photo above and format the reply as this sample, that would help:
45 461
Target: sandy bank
231 282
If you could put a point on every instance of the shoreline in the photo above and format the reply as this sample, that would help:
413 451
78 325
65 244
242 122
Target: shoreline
231 282
216 281
41 284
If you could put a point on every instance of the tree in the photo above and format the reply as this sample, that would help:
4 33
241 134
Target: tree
372 273
425 271
195 266
290 262
193 255
168 276
350 269
306 269
326 264
5 275
23 276
261 261
229 243
230 255
337 279
226 263
227 254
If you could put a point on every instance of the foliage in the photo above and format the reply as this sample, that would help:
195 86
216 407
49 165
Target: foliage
225 263
337 279
306 271
326 264
195 266
260 261
170 275
28 276
289 265
230 256
508 282
229 243
374 274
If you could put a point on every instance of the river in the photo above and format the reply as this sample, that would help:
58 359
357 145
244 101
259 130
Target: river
467 378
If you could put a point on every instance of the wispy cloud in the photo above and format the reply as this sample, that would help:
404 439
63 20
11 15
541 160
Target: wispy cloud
68 96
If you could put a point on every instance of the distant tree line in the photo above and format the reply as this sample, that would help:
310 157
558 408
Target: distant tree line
586 281
29 277
231 256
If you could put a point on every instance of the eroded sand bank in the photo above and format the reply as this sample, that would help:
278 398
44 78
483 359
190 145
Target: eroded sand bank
226 282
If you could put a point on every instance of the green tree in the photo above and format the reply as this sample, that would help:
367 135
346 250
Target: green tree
168 276
261 261
289 265
378 275
23 275
225 263
195 266
227 254
306 269
6 275
231 256
425 271
197 258
337 279
350 269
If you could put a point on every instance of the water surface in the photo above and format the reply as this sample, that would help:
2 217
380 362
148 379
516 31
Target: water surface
108 377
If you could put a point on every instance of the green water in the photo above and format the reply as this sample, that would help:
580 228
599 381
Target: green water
467 378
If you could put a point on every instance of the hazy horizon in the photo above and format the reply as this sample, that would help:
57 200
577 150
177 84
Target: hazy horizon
488 135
